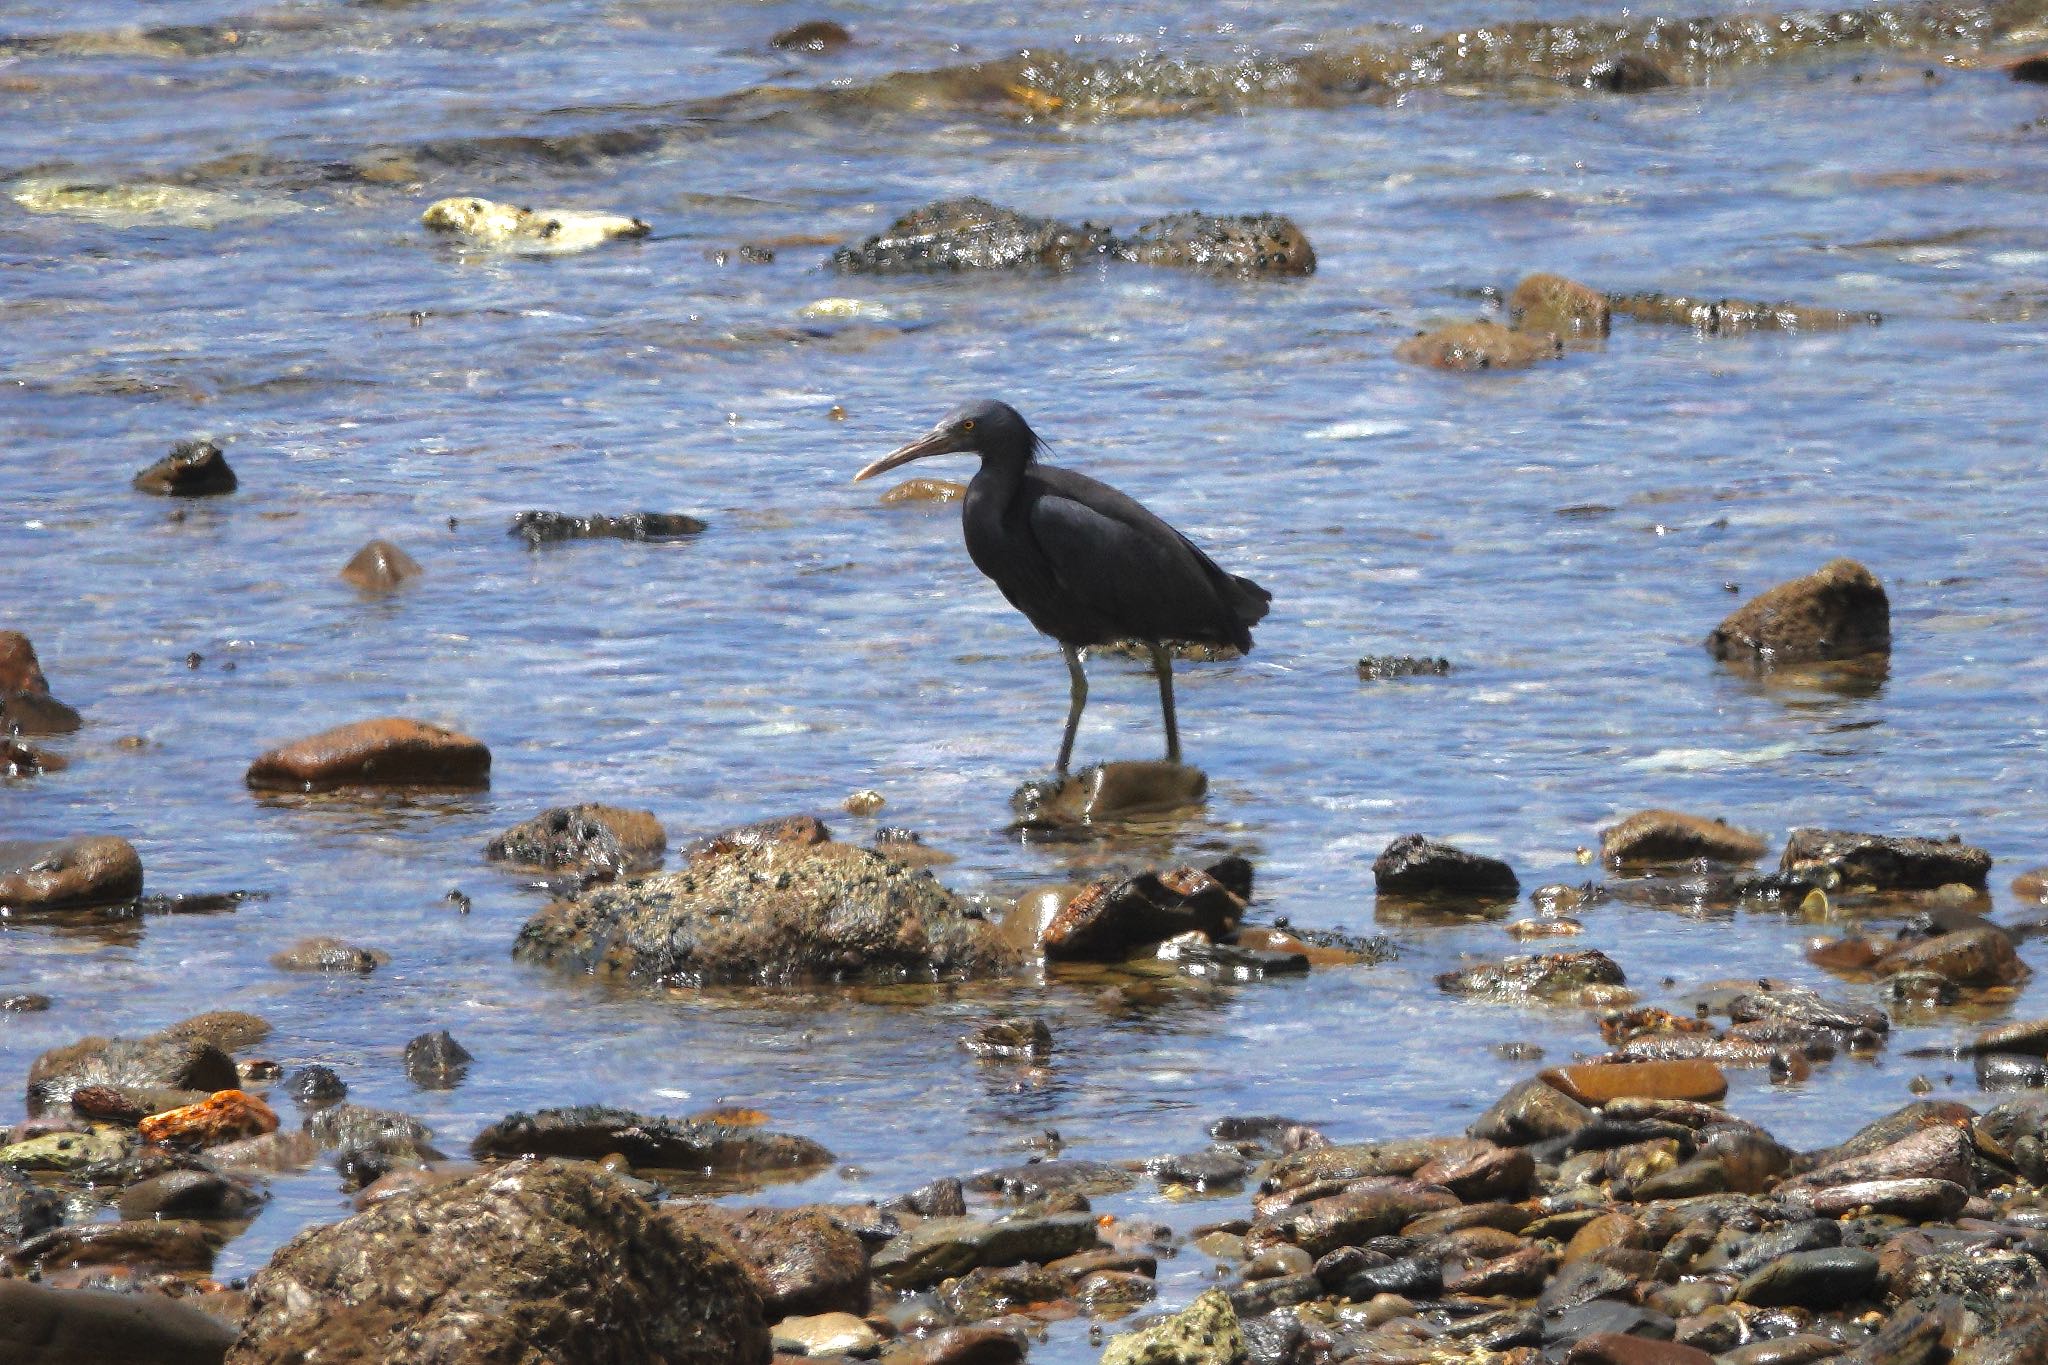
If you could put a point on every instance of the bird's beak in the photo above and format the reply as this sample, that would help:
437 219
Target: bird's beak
940 442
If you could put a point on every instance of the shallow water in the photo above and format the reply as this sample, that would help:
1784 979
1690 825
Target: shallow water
812 642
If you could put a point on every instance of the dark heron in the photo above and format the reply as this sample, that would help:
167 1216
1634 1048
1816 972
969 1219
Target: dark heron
1084 563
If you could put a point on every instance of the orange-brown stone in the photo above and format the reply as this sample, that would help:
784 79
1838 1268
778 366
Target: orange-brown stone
223 1116
389 751
19 671
1596 1083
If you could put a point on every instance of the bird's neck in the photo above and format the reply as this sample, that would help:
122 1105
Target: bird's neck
1000 475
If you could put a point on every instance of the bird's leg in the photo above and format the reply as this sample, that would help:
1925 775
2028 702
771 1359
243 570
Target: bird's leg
1077 698
1162 664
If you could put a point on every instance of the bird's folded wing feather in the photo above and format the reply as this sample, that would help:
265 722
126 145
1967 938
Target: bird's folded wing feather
1136 573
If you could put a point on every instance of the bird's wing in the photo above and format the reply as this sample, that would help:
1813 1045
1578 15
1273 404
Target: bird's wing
1125 567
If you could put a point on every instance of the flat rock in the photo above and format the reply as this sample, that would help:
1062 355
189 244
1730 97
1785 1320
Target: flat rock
26 713
538 1260
1968 957
224 1116
1415 866
1010 1040
772 913
323 953
1376 1206
508 227
62 874
1389 667
2032 68
1109 792
1737 317
388 751
1618 1348
228 1030
1206 1332
1806 1009
1111 919
177 1244
1941 1152
943 1247
1478 346
825 1334
1262 244
1839 611
2025 1036
971 234
1599 1083
1920 1200
1539 976
591 1132
204 1195
606 840
547 528
925 490
1884 862
1669 836
972 1345
44 1326
158 1061
380 566
27 760
193 469
1037 1181
1827 1277
1564 308
801 1260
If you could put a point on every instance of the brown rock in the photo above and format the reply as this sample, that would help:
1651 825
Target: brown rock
1618 1348
158 1061
1623 74
925 490
801 1261
814 35
30 713
1477 346
1838 612
1921 1200
380 566
193 469
1536 976
44 1326
608 840
1596 1083
59 874
1667 836
1112 918
391 751
1940 1153
1884 862
1737 317
1109 792
1969 957
1413 865
224 1116
1564 308
26 760
2032 885
969 1346
1375 1207
2033 67
159 1244
19 669
325 954
2025 1036
1261 244
228 1030
533 1261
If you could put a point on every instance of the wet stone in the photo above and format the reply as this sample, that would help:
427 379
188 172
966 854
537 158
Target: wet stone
26 760
177 1244
1667 836
971 234
547 528
1543 976
1265 244
20 670
1736 317
224 1116
203 1195
315 1085
435 1061
772 913
944 1247
591 838
1037 1181
1206 1332
1920 1200
26 1208
1827 1277
593 1132
2010 1071
539 1260
488 223
97 1148
1373 1207
389 751
228 1030
813 36
800 1261
1415 866
1016 1039
380 566
925 491
1794 1005
61 874
24 1002
1623 74
1478 346
324 954
1109 792
1531 1112
1595 1083
25 713
193 469
49 1326
1838 612
1211 1169
1565 308
157 1061
1386 667
1113 918
1884 862
1968 957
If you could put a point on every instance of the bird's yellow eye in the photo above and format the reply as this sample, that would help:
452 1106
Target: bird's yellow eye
967 424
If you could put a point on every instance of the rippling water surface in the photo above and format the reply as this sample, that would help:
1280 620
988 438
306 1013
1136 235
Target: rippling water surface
371 381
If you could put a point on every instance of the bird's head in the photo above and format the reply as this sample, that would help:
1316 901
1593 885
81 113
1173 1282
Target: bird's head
987 428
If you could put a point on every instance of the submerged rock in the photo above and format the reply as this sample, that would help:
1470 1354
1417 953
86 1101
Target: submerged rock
435 1061
1600 1083
1560 307
539 1260
1884 862
593 1131
591 838
1109 792
1543 976
1384 667
925 490
971 234
159 1061
772 913
1733 317
1008 1040
63 874
380 566
389 751
324 953
813 35
1478 346
507 227
546 528
1667 836
1263 244
1415 866
1111 919
1840 611
193 469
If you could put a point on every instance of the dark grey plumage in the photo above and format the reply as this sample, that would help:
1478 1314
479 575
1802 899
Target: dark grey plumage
1086 564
